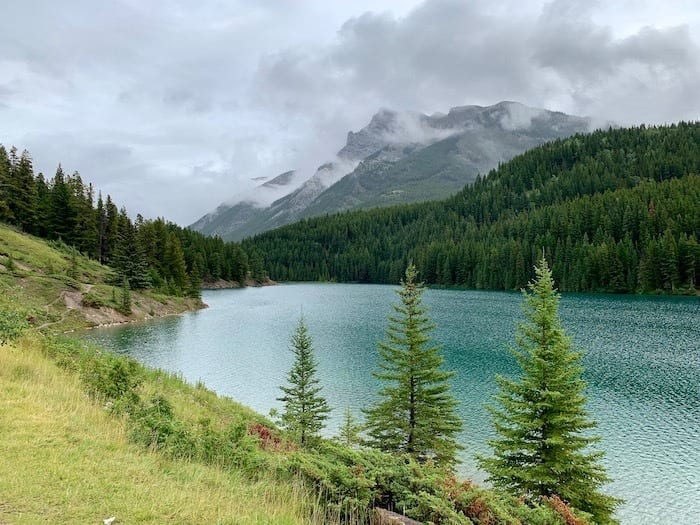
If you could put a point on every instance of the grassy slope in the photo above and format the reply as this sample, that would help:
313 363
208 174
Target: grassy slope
66 460
54 291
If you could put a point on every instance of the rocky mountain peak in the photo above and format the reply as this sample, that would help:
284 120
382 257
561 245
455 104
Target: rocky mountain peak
399 156
281 180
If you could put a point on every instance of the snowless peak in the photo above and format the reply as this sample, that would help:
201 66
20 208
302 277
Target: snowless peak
281 180
469 139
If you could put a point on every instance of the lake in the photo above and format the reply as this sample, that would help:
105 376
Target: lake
642 365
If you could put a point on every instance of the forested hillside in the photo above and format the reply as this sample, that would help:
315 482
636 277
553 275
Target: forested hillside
148 253
615 210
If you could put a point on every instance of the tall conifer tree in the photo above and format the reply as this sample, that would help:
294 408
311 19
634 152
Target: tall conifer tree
416 411
21 193
5 168
305 409
541 419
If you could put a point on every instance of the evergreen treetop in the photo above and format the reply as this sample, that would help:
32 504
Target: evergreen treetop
416 412
540 418
305 409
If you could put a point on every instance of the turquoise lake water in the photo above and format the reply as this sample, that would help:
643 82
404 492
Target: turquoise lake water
642 361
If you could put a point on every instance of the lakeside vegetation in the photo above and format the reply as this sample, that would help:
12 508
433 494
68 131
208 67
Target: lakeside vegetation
154 254
105 421
615 211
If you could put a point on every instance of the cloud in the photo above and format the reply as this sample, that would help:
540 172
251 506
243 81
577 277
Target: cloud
173 109
646 76
518 116
448 52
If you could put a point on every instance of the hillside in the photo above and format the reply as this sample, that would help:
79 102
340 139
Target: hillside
67 460
88 436
399 157
614 211
62 290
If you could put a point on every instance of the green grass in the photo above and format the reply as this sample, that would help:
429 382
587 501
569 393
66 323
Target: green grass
49 258
67 460
60 290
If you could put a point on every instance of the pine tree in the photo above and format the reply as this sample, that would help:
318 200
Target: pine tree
175 267
129 257
349 432
541 419
21 194
416 411
5 170
126 297
62 211
305 410
195 287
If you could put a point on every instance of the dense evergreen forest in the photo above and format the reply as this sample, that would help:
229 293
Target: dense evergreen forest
148 253
615 210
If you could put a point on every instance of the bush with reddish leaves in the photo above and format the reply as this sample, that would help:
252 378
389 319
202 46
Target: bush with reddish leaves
564 510
268 441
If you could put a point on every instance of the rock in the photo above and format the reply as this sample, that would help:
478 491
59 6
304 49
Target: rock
386 517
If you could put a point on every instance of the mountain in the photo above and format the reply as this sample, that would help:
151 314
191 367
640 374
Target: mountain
402 157
487 137
614 211
227 218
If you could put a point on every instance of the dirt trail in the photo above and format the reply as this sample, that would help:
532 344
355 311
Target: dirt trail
143 308
72 300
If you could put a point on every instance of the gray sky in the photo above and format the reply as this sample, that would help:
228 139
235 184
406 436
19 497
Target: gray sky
173 107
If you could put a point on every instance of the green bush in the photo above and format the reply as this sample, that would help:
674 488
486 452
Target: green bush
109 377
12 324
92 300
154 425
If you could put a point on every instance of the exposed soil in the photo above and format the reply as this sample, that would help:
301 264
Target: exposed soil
221 284
143 307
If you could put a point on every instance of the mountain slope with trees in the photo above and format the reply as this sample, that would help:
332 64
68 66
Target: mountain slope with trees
148 253
402 157
614 210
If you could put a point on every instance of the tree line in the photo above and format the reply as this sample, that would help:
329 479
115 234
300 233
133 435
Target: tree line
541 452
146 253
615 211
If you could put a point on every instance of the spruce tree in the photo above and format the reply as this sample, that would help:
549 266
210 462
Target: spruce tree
349 431
21 194
126 297
416 410
305 409
541 419
5 169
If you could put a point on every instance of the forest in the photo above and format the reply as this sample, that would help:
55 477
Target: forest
148 253
614 211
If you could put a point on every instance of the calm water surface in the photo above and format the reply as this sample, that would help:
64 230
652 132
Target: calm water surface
642 364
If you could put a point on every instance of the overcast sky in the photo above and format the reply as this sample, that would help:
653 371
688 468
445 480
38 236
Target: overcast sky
174 106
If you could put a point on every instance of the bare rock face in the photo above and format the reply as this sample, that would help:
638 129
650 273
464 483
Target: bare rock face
372 137
398 157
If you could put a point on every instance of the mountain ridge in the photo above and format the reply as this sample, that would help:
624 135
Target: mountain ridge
401 157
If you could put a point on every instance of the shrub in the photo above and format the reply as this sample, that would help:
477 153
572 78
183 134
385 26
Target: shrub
12 324
111 378
154 424
92 300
